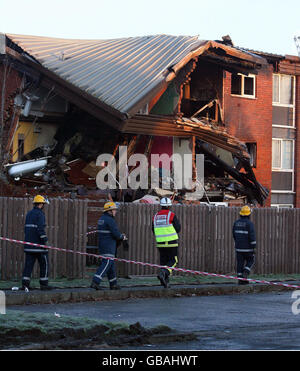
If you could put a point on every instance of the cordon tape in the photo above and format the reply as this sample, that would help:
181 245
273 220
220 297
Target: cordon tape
150 264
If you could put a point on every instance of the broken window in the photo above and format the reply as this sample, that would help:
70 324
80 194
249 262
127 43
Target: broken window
252 149
283 100
243 85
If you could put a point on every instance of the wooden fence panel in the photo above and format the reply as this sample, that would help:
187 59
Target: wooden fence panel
206 243
205 240
66 228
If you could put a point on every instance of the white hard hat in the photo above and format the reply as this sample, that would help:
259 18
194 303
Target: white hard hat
165 201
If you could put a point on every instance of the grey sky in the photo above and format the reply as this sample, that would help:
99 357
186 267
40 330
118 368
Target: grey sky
265 25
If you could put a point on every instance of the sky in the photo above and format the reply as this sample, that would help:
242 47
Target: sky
262 25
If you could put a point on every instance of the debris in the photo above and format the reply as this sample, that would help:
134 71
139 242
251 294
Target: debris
148 199
26 167
163 193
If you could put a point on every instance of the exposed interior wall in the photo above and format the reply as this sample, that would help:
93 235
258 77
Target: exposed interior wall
162 145
33 136
182 146
205 85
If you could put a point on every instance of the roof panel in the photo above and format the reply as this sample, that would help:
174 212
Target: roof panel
118 72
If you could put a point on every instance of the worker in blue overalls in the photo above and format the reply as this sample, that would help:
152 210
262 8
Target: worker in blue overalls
35 224
245 244
109 235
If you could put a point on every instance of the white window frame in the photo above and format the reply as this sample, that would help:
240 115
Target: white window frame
283 206
281 153
242 95
280 169
278 104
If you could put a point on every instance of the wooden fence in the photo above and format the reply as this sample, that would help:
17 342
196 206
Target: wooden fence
206 242
66 228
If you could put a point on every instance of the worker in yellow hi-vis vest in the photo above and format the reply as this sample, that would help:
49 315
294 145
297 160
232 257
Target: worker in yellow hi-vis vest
166 227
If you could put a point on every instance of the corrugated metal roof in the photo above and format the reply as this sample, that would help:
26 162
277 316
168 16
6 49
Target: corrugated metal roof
118 72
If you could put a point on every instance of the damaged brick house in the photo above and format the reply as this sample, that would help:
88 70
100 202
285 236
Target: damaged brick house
63 102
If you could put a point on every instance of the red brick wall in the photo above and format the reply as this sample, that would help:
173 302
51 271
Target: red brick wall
12 82
250 120
297 144
9 86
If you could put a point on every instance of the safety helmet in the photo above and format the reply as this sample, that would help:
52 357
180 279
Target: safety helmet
110 206
245 211
165 201
40 200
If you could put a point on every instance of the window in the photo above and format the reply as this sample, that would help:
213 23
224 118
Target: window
276 154
282 165
243 85
283 100
282 154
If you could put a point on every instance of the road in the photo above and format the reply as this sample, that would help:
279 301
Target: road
263 321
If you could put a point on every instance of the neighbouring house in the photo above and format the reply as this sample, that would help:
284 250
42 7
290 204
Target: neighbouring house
64 102
263 111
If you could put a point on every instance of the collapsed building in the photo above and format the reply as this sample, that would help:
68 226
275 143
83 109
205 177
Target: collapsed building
64 102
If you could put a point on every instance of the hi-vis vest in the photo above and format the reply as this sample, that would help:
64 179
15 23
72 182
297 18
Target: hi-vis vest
164 230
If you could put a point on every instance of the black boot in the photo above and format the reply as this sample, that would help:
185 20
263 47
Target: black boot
240 281
25 285
245 275
95 286
163 278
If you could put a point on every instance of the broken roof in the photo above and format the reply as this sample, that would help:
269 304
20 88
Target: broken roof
120 73
162 125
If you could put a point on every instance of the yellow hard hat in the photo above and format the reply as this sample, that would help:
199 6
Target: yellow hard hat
245 211
110 206
39 200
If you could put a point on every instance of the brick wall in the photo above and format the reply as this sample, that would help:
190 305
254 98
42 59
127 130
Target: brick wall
10 84
250 120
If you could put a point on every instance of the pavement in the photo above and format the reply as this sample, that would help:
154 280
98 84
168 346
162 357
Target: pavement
73 295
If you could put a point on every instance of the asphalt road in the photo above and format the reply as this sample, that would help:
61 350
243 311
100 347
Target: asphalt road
263 321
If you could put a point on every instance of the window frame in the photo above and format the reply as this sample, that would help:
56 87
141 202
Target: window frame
243 95
283 206
278 104
281 155
282 170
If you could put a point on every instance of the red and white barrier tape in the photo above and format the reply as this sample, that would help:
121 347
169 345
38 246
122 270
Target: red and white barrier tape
151 264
